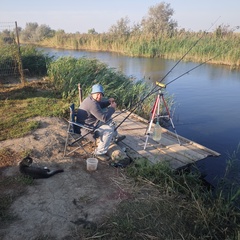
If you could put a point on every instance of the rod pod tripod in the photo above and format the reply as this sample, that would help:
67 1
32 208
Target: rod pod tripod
155 113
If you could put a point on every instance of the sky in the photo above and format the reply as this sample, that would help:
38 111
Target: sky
81 15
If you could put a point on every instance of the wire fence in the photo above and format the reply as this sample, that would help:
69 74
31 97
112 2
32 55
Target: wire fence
10 56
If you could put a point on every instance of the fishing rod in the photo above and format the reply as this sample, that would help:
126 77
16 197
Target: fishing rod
159 86
153 90
184 55
194 44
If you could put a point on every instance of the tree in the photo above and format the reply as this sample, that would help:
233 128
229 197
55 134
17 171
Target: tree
223 30
121 27
43 31
92 31
136 29
159 21
7 36
35 33
29 31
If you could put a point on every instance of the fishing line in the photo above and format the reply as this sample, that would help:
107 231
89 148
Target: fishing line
160 86
190 70
194 44
163 86
153 90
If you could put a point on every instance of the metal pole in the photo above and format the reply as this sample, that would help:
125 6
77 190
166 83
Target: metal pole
156 106
80 94
169 116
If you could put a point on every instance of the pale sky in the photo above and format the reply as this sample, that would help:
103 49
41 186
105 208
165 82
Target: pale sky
81 15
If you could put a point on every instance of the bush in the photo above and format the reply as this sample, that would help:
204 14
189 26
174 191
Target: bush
67 72
34 60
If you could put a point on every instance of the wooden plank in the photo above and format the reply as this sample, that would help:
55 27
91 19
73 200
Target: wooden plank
155 153
168 149
183 150
183 141
189 143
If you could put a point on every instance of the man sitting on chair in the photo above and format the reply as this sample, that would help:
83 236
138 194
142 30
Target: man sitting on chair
97 113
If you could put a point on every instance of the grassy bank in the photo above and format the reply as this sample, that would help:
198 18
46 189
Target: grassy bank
66 73
164 204
221 50
52 96
169 204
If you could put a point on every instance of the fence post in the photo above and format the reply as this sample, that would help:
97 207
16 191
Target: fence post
23 81
80 94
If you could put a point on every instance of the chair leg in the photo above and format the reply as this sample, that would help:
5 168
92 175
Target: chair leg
66 144
80 146
77 139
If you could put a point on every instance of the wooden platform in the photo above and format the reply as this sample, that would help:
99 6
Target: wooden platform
167 149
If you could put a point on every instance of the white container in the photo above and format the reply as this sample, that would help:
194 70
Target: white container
92 164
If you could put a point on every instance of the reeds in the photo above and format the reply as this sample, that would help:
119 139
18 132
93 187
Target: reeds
67 72
225 50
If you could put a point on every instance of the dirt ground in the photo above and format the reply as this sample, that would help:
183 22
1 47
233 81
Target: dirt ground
58 206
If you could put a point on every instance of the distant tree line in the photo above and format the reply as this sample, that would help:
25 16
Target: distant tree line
158 22
156 35
36 33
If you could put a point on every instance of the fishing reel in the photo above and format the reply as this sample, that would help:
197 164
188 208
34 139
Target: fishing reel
161 85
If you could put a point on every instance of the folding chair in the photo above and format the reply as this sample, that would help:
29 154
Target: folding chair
74 136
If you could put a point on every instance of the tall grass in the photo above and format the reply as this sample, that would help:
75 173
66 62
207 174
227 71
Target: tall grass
224 50
33 60
214 213
171 205
67 72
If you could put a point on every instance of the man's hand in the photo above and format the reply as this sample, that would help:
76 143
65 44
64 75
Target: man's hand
111 100
113 104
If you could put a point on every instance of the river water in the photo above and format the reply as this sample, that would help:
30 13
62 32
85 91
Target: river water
207 100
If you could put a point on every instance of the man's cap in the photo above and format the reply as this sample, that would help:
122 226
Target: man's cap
97 88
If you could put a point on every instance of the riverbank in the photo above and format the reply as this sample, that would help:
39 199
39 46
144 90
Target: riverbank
195 47
68 204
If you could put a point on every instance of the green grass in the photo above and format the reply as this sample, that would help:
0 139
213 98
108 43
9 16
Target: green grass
19 107
17 116
165 204
169 204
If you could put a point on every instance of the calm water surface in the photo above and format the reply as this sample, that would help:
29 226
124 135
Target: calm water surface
207 108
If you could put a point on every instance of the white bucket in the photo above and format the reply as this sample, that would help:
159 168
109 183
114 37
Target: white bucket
92 164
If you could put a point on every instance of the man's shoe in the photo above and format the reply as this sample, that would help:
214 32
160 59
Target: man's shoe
102 157
120 138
